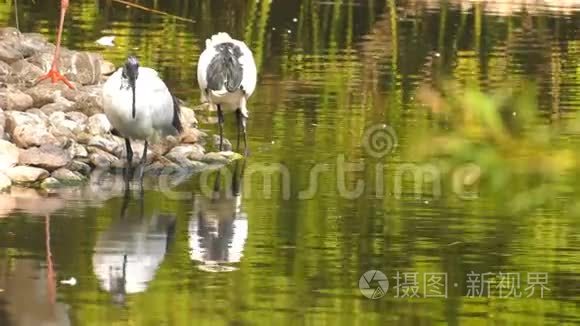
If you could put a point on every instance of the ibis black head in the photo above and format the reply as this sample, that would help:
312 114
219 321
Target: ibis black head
131 69
131 73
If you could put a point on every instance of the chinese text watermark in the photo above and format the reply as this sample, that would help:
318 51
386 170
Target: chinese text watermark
374 284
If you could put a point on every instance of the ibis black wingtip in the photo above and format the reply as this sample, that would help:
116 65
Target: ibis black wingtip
176 115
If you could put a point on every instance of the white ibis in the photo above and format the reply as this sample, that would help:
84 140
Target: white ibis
53 73
227 76
139 106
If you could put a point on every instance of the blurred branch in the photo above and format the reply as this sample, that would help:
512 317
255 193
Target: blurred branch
155 11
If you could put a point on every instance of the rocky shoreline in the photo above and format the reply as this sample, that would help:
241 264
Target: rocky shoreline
52 136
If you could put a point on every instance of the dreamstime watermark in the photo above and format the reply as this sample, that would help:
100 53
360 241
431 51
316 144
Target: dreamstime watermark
374 284
380 177
380 140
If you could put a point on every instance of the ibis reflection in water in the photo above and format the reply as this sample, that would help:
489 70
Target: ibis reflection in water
218 227
128 253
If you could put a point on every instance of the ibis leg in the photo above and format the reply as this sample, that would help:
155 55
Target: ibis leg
143 161
125 205
220 115
239 122
144 157
129 158
242 122
53 74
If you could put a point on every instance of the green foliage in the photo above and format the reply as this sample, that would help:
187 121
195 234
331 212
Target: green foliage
503 134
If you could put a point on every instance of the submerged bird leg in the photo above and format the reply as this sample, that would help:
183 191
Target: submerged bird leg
143 162
243 122
220 115
125 205
239 122
144 157
129 158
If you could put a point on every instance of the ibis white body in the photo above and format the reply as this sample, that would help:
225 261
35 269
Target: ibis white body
154 106
207 74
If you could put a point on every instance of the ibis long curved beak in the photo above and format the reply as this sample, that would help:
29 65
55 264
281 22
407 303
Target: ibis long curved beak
133 90
131 73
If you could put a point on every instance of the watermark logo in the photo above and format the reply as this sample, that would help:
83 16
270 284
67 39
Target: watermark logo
379 140
373 284
350 178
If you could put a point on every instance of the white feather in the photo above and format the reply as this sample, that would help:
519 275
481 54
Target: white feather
230 101
153 105
218 38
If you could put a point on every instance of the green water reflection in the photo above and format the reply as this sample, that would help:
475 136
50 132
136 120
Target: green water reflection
329 71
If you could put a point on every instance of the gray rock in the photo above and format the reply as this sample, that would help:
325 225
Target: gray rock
80 167
198 166
84 137
198 153
98 124
33 135
48 157
26 174
77 150
108 143
154 168
185 163
191 136
25 72
107 67
188 152
9 154
6 73
16 118
87 99
50 183
9 53
62 132
85 68
119 165
78 117
12 98
138 147
8 33
44 59
187 117
67 177
60 104
163 167
2 123
61 126
40 114
32 43
5 182
227 145
47 92
100 158
219 157
232 156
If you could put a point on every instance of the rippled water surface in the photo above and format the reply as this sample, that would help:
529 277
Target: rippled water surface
293 251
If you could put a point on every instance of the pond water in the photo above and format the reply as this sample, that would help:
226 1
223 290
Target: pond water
293 251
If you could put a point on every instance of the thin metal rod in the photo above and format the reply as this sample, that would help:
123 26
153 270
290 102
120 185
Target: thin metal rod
16 11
